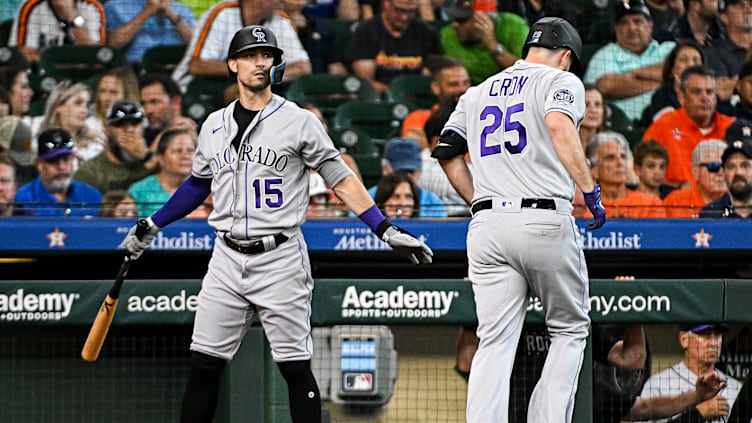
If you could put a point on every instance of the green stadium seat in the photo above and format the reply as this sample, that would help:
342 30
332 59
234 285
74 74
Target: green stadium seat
5 28
327 91
415 89
380 120
162 59
79 63
361 147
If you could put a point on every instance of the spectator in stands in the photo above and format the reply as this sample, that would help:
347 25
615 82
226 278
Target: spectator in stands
114 84
650 160
532 10
664 13
4 102
137 25
319 197
607 153
118 203
16 83
736 16
15 140
41 24
742 100
737 171
176 149
701 22
67 107
54 192
318 38
666 98
206 54
433 176
163 106
682 129
397 195
708 183
7 184
347 10
702 348
392 43
485 44
595 114
127 158
449 80
629 70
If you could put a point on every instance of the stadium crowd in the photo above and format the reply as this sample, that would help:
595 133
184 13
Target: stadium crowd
668 92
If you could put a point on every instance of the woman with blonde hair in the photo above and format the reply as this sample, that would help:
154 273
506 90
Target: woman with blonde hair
68 108
114 84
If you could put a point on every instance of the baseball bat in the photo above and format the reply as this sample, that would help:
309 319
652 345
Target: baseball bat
101 325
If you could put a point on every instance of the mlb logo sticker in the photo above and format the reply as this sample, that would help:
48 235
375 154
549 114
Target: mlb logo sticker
535 39
563 96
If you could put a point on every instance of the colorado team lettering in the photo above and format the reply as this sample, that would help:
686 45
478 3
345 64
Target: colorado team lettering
261 155
507 86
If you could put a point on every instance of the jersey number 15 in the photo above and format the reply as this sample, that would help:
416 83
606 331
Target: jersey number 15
497 117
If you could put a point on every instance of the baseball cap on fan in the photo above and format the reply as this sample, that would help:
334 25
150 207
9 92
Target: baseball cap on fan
629 7
403 154
55 142
125 111
701 327
15 136
459 10
739 139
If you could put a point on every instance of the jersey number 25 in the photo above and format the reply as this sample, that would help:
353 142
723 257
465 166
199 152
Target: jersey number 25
497 117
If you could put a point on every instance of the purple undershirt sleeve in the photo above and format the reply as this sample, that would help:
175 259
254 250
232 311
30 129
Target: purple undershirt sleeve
188 196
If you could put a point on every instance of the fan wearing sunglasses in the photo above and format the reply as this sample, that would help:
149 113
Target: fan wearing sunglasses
708 184
54 192
736 163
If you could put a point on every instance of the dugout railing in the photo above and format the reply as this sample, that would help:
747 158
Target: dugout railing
141 371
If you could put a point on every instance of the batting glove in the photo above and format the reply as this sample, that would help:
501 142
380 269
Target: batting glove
404 243
594 204
137 245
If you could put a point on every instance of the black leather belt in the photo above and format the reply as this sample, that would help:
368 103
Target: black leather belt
253 247
526 203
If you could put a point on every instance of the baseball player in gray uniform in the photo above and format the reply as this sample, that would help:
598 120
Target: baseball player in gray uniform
254 156
520 128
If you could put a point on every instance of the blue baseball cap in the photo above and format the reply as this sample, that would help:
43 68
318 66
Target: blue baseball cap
697 328
403 154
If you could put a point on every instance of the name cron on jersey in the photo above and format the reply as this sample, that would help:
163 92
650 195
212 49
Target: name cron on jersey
260 154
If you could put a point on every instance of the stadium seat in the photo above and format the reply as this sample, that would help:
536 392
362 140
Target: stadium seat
616 119
415 89
5 28
380 120
343 30
360 146
162 58
327 91
11 56
78 63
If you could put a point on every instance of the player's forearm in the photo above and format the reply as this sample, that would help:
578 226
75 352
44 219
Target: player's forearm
630 353
651 408
353 194
188 196
460 177
567 144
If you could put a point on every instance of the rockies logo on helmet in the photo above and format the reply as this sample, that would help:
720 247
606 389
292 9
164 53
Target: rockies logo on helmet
259 34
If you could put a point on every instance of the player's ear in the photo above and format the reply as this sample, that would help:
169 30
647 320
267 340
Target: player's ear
232 64
684 339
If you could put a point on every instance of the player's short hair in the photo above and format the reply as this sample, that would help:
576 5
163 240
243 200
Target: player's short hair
601 138
707 145
647 148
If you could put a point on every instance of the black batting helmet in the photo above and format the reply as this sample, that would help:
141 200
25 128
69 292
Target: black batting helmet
257 36
554 33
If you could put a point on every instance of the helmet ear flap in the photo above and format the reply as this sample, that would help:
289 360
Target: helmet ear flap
277 72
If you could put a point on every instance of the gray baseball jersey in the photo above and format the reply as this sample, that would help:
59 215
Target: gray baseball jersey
259 190
523 239
503 121
678 379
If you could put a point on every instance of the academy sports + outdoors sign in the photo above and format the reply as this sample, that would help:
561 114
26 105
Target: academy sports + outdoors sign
389 302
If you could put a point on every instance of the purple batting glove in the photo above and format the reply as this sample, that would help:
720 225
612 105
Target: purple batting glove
594 204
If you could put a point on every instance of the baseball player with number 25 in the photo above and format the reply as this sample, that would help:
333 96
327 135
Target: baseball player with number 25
254 156
520 128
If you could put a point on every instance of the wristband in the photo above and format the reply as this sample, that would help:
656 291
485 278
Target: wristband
374 219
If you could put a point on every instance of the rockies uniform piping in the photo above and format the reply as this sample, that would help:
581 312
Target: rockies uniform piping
520 129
